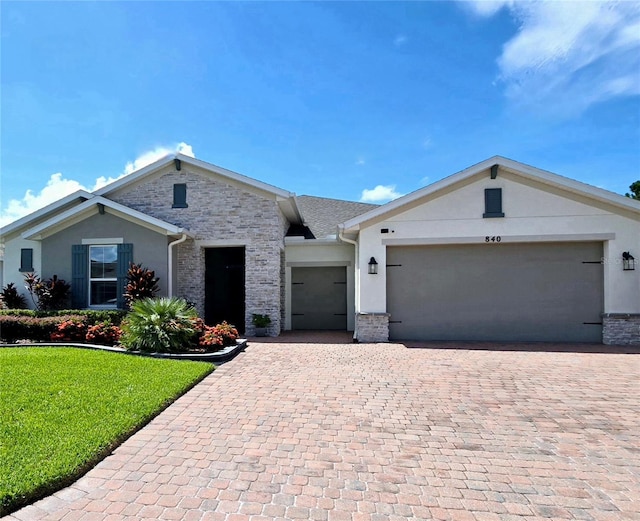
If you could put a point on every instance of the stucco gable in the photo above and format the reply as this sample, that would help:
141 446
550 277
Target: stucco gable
94 206
537 193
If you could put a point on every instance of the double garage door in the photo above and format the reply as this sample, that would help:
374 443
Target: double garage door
550 292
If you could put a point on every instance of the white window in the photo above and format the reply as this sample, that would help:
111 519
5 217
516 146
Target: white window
103 270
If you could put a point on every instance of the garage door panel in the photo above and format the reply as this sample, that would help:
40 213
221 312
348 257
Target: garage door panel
319 298
503 292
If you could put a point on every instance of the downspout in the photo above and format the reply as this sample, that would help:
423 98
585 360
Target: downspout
357 271
170 263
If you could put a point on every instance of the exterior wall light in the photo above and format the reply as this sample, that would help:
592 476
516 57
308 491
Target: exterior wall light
373 266
628 261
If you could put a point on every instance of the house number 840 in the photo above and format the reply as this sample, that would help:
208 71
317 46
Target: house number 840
495 238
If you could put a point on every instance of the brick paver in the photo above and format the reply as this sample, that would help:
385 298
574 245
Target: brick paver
334 432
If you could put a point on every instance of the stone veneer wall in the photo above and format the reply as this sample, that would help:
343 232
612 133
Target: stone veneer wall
621 329
372 327
219 211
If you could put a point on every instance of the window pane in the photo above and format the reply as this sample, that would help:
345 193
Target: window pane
104 260
103 293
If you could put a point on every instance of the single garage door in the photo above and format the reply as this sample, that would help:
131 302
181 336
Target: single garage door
319 298
501 292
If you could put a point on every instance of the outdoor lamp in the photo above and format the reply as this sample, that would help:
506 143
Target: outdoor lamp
628 261
373 266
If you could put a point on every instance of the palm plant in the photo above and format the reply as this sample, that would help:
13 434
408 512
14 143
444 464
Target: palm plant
159 325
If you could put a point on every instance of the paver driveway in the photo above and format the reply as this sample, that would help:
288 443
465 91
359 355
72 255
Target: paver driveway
373 432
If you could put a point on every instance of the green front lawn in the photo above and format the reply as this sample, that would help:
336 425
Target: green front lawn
64 409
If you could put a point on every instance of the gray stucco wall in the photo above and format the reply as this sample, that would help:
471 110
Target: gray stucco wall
219 213
149 247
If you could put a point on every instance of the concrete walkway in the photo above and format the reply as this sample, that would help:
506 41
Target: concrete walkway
332 431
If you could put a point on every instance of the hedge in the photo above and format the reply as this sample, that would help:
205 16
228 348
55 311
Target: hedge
90 316
22 327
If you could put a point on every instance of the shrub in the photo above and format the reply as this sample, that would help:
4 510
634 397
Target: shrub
11 298
25 327
91 316
141 283
103 333
209 339
95 316
218 336
47 294
259 320
159 325
227 332
70 330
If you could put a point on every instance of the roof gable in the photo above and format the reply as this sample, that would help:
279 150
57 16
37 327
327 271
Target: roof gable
285 199
91 207
493 166
58 206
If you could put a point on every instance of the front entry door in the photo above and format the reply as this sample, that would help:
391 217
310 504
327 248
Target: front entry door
224 286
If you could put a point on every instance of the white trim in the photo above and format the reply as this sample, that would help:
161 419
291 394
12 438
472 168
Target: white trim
301 241
577 237
97 242
220 243
318 264
91 279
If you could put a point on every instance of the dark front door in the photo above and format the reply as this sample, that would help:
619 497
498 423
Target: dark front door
224 286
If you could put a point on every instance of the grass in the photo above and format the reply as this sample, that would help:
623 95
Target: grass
63 409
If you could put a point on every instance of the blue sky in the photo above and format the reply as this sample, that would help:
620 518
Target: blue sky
351 100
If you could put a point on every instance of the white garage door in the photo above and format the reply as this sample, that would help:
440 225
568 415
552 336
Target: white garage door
501 292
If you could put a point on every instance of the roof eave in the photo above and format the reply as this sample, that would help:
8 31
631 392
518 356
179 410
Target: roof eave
164 161
24 221
39 232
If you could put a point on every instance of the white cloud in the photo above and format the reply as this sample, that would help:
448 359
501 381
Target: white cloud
424 181
380 194
58 187
487 7
360 161
152 156
400 40
566 56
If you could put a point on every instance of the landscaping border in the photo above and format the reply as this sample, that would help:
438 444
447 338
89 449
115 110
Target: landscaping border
219 357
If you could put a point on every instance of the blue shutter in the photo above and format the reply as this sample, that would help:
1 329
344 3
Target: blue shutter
180 196
26 259
125 258
79 277
493 202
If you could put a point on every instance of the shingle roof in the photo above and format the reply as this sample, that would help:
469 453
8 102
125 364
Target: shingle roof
322 215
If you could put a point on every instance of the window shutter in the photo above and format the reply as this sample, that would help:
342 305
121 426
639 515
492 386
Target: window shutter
493 202
180 195
125 258
26 259
79 280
